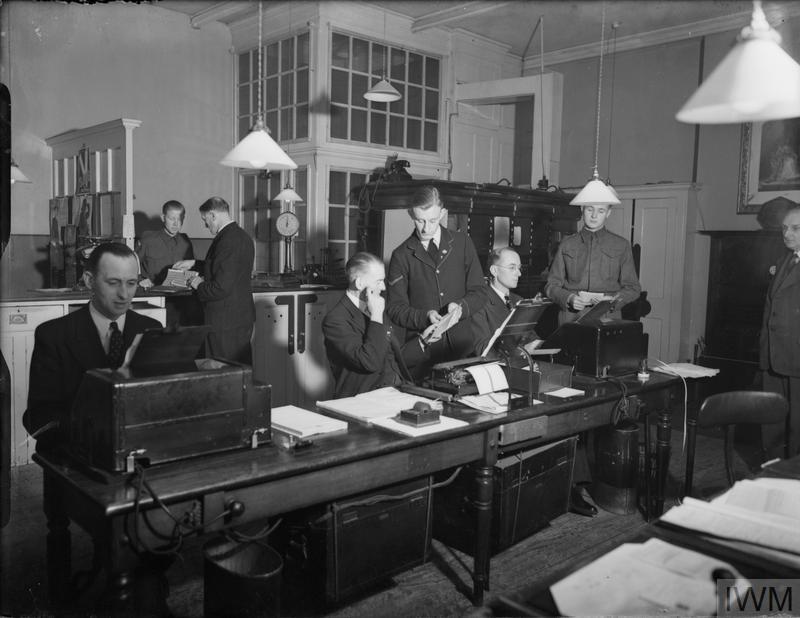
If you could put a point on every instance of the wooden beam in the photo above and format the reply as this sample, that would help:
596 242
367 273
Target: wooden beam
451 15
217 12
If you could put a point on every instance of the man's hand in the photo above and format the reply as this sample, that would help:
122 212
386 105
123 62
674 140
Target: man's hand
456 309
433 316
195 282
183 264
145 283
577 303
426 338
375 304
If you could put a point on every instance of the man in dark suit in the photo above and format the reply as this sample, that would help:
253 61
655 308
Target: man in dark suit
358 335
433 273
224 286
779 356
65 348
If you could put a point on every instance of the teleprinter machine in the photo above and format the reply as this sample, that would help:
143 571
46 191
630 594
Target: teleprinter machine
167 406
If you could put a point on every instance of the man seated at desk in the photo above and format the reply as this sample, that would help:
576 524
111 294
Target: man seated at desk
96 335
359 339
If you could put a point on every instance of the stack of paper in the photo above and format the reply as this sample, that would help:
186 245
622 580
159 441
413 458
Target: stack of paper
304 423
686 370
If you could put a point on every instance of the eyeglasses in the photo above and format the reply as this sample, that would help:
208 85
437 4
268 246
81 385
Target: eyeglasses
513 267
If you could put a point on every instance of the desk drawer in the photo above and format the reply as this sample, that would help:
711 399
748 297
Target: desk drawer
527 429
25 318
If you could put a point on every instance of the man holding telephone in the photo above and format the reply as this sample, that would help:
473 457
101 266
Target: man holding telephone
591 266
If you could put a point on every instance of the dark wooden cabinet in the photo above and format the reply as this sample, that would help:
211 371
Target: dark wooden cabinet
532 221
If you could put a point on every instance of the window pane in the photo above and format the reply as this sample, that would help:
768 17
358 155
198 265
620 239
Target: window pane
377 128
396 124
244 67
302 50
414 101
271 118
378 59
352 223
287 89
338 256
431 104
271 65
337 194
360 55
339 122
432 72
302 86
244 99
359 88
356 180
244 127
431 139
399 107
378 105
413 137
341 51
302 122
358 128
339 86
336 222
271 93
301 182
287 54
414 68
287 124
398 64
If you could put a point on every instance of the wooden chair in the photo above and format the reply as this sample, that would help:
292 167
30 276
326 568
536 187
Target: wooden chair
727 410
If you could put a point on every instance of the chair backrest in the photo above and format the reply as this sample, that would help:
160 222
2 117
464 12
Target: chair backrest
729 409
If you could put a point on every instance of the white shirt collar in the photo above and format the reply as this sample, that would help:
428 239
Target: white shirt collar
101 323
437 238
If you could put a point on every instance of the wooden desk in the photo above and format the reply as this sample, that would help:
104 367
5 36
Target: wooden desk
269 481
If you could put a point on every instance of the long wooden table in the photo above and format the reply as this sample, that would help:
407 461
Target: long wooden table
239 487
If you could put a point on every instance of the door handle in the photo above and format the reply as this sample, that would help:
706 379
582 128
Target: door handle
289 302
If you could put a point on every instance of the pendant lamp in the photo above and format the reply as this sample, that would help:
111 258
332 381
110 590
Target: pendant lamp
755 82
288 194
383 91
258 150
596 191
16 173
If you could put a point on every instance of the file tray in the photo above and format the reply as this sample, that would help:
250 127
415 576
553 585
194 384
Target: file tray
545 377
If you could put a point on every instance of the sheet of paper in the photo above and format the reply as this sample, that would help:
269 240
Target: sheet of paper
380 403
448 320
488 377
565 392
497 333
777 499
303 423
445 423
686 370
593 297
653 578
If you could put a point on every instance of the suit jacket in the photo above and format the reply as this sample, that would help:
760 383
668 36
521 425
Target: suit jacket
64 349
359 350
226 293
780 329
158 251
488 319
417 284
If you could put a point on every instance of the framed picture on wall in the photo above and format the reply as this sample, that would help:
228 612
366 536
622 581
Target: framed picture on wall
769 163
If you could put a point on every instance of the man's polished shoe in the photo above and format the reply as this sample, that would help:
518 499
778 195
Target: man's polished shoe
579 505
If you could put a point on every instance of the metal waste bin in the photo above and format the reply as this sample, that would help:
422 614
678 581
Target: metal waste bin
241 579
614 487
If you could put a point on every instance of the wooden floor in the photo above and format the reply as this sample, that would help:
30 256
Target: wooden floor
438 588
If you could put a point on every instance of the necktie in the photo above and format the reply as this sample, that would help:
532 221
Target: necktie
116 347
508 302
433 251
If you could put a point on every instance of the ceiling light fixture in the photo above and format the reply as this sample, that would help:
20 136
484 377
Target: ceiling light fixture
755 82
288 194
383 91
596 191
258 150
16 173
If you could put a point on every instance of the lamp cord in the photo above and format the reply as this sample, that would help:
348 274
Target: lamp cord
614 27
260 52
541 93
599 90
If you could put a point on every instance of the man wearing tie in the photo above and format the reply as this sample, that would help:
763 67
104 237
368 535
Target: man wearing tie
434 272
95 336
359 339
779 354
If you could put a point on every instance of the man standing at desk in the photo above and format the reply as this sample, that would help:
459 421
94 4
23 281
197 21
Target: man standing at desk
224 287
590 265
97 335
432 273
779 354
159 250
